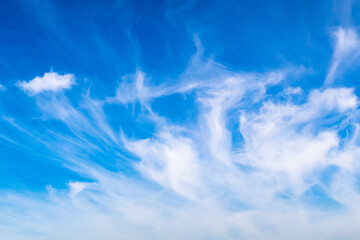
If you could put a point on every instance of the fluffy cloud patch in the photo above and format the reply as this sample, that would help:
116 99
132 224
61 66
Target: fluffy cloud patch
171 161
50 82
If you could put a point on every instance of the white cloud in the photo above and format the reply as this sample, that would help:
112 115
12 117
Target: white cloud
2 87
200 191
50 82
171 161
341 99
193 181
138 87
76 188
293 91
346 52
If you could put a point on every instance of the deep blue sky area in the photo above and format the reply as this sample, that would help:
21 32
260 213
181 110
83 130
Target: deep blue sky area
109 39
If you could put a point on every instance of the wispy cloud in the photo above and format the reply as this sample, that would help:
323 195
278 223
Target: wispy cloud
346 52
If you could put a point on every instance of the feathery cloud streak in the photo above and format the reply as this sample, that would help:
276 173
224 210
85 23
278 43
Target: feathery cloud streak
346 52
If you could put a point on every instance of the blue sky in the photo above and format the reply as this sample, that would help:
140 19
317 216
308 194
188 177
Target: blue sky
179 119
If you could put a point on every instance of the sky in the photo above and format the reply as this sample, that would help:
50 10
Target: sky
179 119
